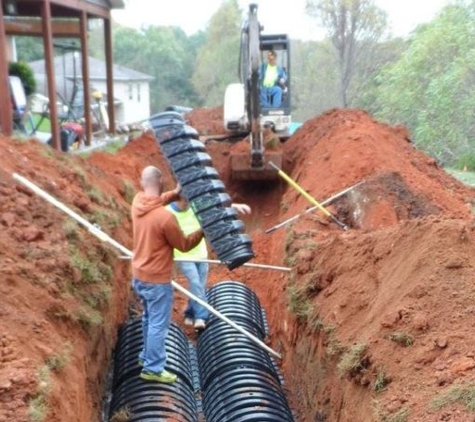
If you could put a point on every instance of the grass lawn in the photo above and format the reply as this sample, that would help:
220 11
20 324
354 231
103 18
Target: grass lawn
45 125
467 177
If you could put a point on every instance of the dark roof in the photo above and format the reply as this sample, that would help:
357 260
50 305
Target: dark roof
68 66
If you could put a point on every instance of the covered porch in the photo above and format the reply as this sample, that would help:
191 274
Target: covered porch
51 19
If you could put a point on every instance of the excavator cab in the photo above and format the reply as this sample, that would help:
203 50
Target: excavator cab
277 116
246 109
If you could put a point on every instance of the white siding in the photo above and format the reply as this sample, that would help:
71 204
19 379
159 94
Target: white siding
133 109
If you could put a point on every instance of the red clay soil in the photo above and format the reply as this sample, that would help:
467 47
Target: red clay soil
207 121
373 323
62 291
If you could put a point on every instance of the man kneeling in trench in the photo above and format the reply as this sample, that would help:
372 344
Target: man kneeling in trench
155 234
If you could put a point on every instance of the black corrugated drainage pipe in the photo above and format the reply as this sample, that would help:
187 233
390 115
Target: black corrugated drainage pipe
192 167
239 381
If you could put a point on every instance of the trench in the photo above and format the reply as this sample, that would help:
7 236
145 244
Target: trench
313 390
223 376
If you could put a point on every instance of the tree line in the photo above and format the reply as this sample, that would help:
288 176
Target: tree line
424 81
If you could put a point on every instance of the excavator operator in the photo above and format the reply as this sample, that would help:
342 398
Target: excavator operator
273 80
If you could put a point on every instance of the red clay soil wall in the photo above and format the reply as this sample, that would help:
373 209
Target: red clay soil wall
63 292
374 323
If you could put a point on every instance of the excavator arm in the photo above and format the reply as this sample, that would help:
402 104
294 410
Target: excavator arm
254 166
253 91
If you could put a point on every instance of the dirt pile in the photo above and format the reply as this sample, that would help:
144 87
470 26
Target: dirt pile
379 316
344 147
374 323
207 121
62 291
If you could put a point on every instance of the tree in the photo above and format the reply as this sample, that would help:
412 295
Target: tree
165 53
29 48
354 27
314 79
430 89
217 60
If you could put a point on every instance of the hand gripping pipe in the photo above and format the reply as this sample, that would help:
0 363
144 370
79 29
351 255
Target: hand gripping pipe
106 238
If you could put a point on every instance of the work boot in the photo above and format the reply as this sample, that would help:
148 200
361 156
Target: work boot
200 324
164 376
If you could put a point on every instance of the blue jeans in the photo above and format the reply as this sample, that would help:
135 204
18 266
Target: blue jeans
271 97
157 300
197 275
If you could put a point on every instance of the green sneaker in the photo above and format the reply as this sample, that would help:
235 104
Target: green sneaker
164 376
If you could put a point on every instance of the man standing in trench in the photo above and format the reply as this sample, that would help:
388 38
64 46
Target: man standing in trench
155 234
194 271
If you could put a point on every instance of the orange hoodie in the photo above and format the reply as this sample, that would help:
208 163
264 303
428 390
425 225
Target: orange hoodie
156 234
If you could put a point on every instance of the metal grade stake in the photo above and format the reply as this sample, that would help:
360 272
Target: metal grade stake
106 238
310 198
325 202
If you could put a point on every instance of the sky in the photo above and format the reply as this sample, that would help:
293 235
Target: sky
283 16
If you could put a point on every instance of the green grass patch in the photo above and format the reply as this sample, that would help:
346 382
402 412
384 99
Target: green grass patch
129 191
95 195
351 362
89 318
463 394
403 339
71 230
381 381
38 406
113 146
90 273
58 361
467 177
401 415
299 304
44 124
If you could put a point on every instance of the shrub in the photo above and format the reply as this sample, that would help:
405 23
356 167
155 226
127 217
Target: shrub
23 70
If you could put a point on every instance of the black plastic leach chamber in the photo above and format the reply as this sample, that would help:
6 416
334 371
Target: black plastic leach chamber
239 381
201 185
151 401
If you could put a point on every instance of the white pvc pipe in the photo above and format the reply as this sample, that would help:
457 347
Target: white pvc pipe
216 261
106 238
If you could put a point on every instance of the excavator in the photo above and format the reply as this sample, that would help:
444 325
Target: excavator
243 111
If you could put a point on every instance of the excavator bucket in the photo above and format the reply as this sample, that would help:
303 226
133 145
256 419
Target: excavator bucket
242 170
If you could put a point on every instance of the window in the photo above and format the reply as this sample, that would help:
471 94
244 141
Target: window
138 93
131 92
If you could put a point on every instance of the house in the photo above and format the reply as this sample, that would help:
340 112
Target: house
131 88
49 19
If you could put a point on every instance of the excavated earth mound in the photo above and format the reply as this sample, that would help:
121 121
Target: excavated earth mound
62 291
373 323
380 316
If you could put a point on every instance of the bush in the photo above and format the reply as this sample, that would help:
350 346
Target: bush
23 70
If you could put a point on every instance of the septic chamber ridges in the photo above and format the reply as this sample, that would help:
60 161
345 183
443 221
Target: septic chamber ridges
149 400
201 185
240 382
